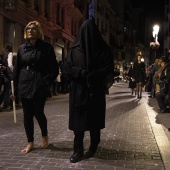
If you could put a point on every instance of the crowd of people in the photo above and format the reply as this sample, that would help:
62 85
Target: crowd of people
158 83
155 79
7 59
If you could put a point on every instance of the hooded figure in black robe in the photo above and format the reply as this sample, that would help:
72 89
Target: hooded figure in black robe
89 66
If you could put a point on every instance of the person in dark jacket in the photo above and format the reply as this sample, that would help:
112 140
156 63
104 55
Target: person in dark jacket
165 76
34 72
132 83
90 67
153 69
139 75
7 62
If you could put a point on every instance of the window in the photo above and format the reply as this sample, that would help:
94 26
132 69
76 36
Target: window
26 1
72 27
36 5
60 15
46 8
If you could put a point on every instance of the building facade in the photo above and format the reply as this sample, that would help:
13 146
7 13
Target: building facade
60 20
110 26
166 27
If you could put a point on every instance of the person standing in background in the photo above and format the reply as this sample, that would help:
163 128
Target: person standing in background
132 83
3 74
7 61
34 72
58 80
154 68
139 75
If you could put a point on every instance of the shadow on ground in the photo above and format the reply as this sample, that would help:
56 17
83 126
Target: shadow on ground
104 153
161 118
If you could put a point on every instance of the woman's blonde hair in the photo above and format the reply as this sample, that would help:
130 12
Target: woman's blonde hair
40 32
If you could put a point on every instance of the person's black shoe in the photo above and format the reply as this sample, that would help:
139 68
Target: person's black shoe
76 157
89 154
150 96
139 97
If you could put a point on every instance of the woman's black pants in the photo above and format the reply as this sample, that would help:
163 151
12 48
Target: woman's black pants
94 140
31 108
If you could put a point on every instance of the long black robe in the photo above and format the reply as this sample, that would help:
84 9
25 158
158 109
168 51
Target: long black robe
87 104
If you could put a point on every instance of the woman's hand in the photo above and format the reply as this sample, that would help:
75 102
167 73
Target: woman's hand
12 97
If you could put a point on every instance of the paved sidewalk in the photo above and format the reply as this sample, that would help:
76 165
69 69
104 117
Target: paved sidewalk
135 137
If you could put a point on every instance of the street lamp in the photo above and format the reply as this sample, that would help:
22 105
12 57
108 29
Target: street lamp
154 45
155 32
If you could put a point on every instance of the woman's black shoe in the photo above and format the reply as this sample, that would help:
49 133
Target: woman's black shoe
89 154
76 157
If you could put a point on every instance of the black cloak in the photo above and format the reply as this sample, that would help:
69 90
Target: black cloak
91 54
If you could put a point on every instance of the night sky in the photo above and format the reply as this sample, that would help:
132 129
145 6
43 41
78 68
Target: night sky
153 8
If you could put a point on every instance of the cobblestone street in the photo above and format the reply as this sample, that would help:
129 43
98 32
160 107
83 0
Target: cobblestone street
135 137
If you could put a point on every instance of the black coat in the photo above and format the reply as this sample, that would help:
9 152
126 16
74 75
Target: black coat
132 83
139 72
35 70
87 104
165 76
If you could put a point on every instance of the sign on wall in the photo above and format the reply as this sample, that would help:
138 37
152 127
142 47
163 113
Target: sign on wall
9 5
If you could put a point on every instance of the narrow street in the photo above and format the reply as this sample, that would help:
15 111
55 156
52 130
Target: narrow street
136 137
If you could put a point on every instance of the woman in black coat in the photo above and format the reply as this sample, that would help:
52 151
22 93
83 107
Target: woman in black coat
139 75
90 68
132 83
34 72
